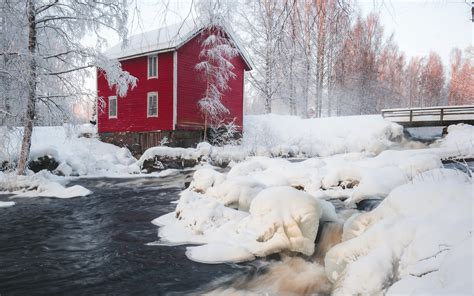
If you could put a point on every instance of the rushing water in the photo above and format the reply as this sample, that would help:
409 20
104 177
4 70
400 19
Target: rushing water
96 245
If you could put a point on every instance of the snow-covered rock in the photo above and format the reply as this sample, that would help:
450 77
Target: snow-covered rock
460 140
76 155
40 184
413 224
283 218
279 218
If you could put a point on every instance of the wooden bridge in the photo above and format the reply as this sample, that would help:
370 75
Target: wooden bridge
431 116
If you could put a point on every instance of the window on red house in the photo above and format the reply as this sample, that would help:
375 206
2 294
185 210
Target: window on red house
152 104
113 107
153 66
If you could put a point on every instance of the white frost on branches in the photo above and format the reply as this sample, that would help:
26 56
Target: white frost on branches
45 60
117 77
216 55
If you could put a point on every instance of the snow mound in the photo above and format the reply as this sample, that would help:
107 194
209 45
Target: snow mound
460 138
279 218
404 239
283 218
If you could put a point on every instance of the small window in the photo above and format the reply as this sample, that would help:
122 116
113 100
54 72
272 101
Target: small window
153 66
152 104
113 107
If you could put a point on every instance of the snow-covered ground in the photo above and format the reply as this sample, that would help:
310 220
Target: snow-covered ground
281 135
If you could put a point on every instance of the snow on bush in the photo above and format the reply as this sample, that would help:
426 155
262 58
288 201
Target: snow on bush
291 135
405 239
40 184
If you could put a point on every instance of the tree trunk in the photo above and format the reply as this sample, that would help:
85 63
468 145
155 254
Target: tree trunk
205 127
268 83
30 109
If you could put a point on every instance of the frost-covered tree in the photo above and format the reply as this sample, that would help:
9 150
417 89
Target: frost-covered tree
432 80
215 59
293 45
45 58
461 85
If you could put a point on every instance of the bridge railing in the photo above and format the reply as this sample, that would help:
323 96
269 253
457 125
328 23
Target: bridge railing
428 114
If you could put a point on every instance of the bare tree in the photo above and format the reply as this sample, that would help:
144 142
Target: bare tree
53 62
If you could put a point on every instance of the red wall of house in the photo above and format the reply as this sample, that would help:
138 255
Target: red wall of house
191 87
132 109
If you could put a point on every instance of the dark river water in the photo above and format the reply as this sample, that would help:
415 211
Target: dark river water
96 245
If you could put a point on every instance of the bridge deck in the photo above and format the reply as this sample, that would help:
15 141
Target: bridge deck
431 116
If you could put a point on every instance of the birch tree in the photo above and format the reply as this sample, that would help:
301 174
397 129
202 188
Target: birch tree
51 60
215 59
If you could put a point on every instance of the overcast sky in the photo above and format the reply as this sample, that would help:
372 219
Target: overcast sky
424 25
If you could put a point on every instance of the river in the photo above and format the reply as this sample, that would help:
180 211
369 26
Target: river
97 245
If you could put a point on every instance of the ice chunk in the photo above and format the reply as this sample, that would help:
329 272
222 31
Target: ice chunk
6 204
218 253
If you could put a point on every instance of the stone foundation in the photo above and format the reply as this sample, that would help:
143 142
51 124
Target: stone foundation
138 142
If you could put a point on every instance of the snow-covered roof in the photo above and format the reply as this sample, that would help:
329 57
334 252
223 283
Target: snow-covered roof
165 39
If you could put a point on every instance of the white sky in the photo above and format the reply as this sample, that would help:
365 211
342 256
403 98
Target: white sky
424 25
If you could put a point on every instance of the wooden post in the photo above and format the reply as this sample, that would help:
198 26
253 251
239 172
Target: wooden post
442 114
411 115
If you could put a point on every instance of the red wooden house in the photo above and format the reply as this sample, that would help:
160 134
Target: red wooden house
164 103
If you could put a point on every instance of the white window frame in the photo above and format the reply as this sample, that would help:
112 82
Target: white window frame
148 66
154 93
116 106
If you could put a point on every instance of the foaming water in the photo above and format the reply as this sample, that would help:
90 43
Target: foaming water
293 275
329 236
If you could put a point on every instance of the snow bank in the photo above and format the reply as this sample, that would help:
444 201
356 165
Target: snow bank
291 135
40 184
406 239
76 155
